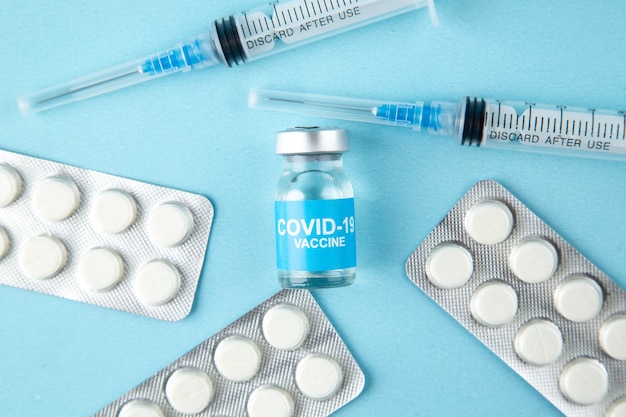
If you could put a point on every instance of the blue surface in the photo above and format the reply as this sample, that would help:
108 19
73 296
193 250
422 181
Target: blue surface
194 132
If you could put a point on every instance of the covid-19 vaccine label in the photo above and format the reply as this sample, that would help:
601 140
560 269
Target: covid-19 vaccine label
315 235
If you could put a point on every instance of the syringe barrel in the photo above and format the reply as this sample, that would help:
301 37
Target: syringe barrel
544 128
278 26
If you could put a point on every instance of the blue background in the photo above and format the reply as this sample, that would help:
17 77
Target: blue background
195 132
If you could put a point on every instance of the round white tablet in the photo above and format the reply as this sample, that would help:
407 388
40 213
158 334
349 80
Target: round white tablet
55 198
489 222
42 257
189 390
539 342
494 304
618 408
170 224
270 401
318 376
141 408
534 260
613 337
578 298
5 243
10 185
285 327
100 269
156 282
237 358
449 266
113 211
584 381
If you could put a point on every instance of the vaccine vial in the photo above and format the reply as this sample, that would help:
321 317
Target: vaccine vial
314 207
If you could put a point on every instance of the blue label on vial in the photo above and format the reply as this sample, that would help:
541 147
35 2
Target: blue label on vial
315 235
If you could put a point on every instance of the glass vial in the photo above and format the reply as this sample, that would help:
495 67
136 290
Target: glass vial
314 210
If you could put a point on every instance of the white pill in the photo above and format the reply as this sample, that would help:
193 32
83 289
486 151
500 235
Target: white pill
489 222
42 257
539 342
56 198
237 358
449 266
10 185
578 298
494 304
141 408
189 390
584 381
618 408
285 327
100 269
113 211
318 376
270 401
534 260
613 337
5 242
156 282
170 224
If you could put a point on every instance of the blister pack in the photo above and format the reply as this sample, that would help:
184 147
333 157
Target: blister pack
281 359
531 298
100 239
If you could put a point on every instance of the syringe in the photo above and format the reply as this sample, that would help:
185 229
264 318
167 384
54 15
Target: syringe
528 126
233 40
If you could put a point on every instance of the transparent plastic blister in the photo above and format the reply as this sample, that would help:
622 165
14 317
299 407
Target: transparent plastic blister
100 239
531 298
281 359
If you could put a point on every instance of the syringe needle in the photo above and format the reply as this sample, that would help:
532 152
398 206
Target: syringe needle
326 106
85 87
365 109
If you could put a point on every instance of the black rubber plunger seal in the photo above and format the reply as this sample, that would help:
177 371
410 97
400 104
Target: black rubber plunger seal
229 41
474 121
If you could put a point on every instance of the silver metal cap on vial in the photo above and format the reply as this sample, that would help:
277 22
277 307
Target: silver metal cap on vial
312 140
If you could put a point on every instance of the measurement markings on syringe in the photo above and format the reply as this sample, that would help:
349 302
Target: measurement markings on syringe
295 22
556 126
251 28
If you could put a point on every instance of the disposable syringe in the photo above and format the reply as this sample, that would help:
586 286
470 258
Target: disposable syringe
234 40
489 123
